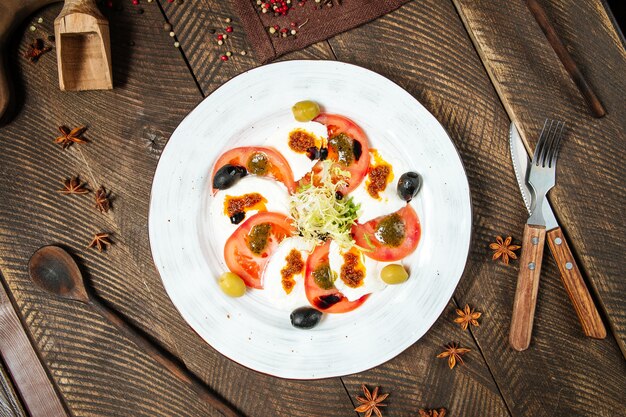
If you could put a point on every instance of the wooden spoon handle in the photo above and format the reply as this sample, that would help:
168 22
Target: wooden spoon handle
176 368
575 285
27 372
527 286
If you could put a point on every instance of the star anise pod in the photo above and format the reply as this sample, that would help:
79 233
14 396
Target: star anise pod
453 352
74 186
467 316
36 50
504 248
70 136
100 241
102 200
371 402
433 412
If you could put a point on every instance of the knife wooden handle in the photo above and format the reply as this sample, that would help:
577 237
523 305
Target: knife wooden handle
575 286
527 286
27 372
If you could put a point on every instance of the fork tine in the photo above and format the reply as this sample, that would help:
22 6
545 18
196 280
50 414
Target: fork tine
557 146
539 147
547 143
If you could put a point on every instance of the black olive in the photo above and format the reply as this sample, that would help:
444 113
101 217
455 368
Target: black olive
305 317
227 176
357 149
313 153
237 217
409 185
323 154
338 195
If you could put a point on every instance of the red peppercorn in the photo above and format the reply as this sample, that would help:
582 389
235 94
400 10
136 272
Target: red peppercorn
224 58
220 37
135 2
229 29
283 30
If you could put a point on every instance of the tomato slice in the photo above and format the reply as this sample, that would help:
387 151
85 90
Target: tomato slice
278 167
336 124
241 260
335 301
365 236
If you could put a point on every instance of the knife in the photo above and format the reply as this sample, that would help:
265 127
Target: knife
570 273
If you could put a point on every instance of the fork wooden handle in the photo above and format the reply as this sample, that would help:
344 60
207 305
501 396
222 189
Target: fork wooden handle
527 286
575 285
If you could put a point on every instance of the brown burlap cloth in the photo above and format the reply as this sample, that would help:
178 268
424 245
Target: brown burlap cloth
312 23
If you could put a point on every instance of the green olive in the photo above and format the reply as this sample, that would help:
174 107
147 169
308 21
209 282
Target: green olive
232 284
394 274
305 111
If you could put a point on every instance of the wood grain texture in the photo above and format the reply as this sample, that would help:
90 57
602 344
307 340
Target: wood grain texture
589 196
20 357
10 404
572 69
99 371
575 285
530 260
424 52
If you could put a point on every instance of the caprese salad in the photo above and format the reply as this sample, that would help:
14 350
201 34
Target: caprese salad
314 216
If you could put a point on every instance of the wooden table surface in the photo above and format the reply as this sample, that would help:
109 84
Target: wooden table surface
475 64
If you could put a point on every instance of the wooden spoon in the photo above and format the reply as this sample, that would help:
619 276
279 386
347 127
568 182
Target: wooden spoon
54 270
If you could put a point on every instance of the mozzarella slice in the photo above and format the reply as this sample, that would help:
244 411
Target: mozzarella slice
272 276
371 283
388 201
273 191
300 164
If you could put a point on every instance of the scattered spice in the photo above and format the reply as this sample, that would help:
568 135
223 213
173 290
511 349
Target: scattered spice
36 50
352 273
378 179
103 203
74 186
295 265
70 136
453 352
371 402
504 249
100 241
224 57
432 412
300 140
229 29
167 27
243 203
467 316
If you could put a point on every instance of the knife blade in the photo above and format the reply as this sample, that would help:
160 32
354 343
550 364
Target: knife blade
570 273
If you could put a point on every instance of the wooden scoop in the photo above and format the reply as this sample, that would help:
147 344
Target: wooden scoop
54 270
83 47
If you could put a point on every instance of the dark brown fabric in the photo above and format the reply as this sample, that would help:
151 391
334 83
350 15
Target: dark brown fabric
322 23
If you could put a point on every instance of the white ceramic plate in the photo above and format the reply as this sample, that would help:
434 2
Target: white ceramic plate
249 330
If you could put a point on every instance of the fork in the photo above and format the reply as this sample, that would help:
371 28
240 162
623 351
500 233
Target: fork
541 177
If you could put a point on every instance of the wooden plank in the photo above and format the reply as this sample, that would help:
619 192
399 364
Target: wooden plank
10 405
98 371
532 83
193 24
425 50
18 354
